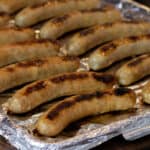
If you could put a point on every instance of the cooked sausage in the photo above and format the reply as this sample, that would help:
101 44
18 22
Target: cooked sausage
13 53
56 27
32 15
13 35
87 39
60 115
27 71
11 6
134 70
146 93
119 49
43 91
4 19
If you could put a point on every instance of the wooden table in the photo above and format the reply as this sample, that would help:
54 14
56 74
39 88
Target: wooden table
117 143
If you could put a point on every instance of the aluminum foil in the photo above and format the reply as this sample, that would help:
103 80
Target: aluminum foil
89 132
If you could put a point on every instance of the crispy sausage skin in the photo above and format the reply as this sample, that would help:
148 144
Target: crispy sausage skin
116 50
87 39
27 71
60 115
11 6
13 35
43 91
56 27
32 15
12 53
146 93
134 70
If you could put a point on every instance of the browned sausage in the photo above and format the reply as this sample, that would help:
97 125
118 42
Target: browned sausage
60 115
12 53
43 91
13 35
134 70
27 71
119 49
32 15
11 6
56 27
87 39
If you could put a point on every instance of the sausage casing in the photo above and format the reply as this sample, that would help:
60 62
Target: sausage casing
40 92
134 70
12 53
87 39
13 35
32 15
117 50
56 27
146 93
11 6
60 115
27 71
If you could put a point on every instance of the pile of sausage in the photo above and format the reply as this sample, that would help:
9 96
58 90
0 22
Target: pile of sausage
74 27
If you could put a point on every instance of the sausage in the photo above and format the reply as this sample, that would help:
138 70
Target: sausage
146 93
66 84
11 6
56 27
60 115
13 35
134 70
12 53
4 18
32 15
27 71
89 38
116 50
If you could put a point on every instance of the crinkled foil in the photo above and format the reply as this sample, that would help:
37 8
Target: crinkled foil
89 132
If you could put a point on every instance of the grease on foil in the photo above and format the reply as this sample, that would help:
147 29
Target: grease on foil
91 131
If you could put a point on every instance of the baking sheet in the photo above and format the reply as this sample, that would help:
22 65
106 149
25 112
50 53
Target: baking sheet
91 131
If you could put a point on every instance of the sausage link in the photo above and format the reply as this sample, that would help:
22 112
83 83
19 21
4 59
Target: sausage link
43 91
89 38
60 115
119 49
134 70
32 15
27 71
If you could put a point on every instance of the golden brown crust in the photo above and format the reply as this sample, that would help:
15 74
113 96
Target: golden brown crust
28 50
112 46
105 78
32 15
11 6
134 70
69 83
27 71
58 116
61 19
52 3
116 50
89 38
13 35
55 111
